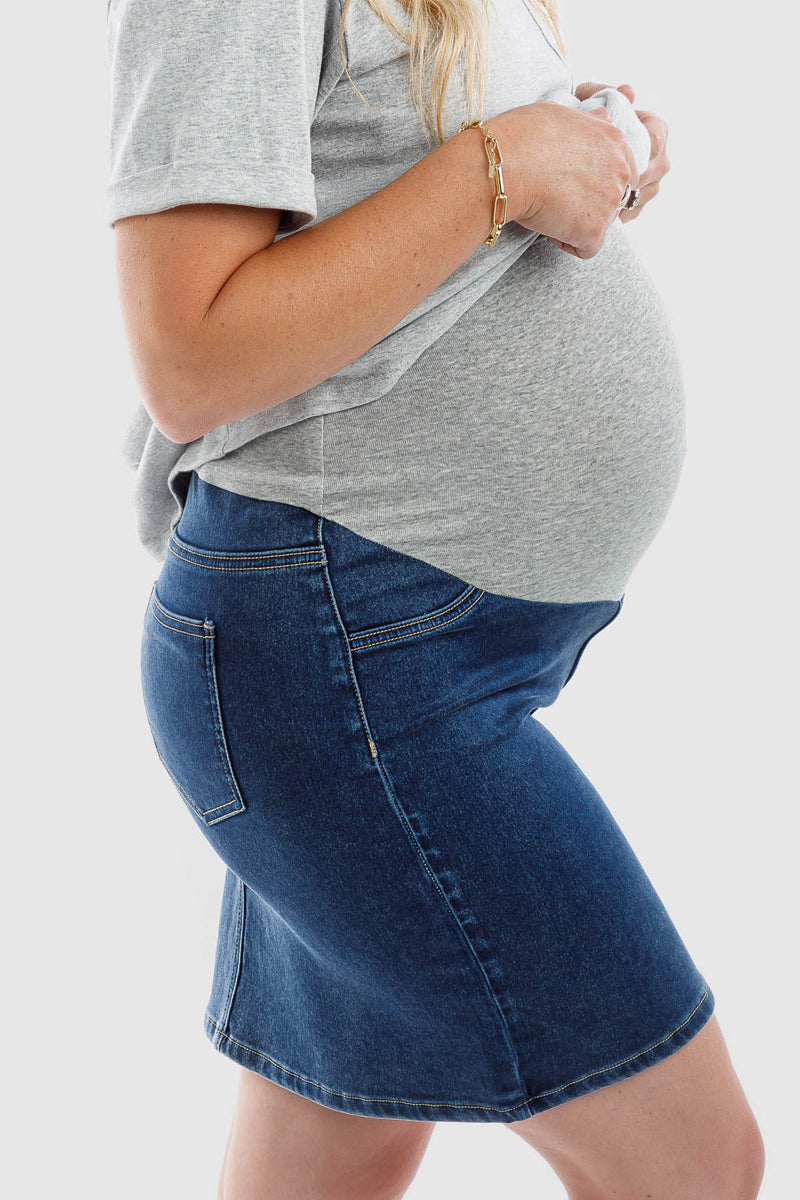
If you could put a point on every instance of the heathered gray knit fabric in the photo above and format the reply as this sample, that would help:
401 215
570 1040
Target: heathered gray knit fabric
534 449
246 101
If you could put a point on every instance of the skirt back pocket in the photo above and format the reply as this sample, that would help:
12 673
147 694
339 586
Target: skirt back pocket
182 703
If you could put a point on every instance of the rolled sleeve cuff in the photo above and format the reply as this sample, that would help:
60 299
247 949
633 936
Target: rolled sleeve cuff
258 184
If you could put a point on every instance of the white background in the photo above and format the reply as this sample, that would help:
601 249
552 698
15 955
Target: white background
684 714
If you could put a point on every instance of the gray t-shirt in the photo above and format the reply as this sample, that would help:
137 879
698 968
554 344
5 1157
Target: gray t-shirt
245 102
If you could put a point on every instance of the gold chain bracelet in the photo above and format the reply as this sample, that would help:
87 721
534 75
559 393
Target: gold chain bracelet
495 172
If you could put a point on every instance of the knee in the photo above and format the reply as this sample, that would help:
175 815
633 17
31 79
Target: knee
390 1175
383 1172
751 1161
730 1167
737 1169
735 1166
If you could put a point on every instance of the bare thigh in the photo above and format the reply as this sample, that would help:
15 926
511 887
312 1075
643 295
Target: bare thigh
679 1130
283 1146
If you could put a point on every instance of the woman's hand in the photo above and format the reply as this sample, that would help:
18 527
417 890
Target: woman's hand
565 171
657 128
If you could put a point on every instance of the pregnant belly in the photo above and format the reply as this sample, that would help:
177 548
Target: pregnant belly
536 447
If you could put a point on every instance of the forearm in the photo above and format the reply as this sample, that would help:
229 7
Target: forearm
301 309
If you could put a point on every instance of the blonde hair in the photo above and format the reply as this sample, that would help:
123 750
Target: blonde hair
441 31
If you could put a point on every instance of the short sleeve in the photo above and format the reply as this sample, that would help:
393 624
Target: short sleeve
212 102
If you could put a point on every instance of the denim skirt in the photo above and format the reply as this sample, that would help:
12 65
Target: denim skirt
428 911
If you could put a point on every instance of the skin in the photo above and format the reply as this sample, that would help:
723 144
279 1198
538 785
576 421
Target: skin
283 1146
658 165
679 1130
223 321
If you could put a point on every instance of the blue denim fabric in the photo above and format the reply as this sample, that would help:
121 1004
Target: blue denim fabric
429 913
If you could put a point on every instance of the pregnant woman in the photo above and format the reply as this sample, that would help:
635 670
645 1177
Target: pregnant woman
412 410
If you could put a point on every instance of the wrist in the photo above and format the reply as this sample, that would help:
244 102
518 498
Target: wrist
504 126
494 158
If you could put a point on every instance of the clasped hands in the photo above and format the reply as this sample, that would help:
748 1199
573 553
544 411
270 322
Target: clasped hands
659 164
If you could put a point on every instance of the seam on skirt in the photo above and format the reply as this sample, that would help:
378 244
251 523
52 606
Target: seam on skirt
236 971
220 1034
426 623
348 1095
343 631
432 616
403 817
305 562
240 555
630 1058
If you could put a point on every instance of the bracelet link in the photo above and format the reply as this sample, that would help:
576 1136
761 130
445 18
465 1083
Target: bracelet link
496 172
500 221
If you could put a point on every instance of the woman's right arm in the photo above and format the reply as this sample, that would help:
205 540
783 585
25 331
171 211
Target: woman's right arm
223 322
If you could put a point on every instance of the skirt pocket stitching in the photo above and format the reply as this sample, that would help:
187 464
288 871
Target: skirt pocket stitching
245 558
184 794
428 624
216 720
174 617
430 616
239 554
235 803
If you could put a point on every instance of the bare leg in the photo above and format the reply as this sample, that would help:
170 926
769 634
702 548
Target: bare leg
680 1130
285 1147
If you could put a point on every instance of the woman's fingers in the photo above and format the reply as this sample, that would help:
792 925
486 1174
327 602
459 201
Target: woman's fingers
657 128
649 180
646 192
657 167
584 90
563 246
602 112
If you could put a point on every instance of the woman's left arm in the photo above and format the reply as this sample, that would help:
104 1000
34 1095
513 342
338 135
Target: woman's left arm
658 166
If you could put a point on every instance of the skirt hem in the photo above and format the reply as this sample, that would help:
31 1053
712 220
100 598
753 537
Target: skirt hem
427 1110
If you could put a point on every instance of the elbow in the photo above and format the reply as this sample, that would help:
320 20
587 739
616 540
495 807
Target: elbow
177 407
189 394
175 428
173 422
175 376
